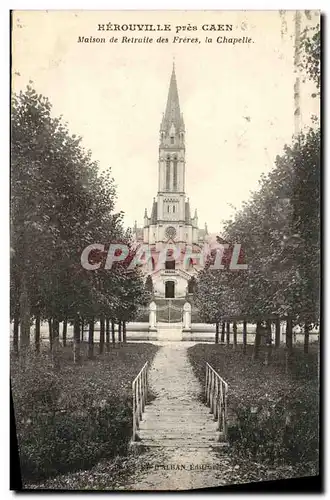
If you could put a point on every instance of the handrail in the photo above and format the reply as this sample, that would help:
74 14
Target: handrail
216 395
139 391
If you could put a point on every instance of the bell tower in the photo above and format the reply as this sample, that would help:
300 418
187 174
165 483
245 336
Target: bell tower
170 223
170 217
171 164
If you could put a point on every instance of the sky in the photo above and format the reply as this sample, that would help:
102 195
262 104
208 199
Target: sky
237 100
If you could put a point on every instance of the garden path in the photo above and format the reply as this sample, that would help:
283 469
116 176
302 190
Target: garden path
178 428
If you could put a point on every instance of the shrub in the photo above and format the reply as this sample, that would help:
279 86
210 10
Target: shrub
281 432
53 444
273 409
69 419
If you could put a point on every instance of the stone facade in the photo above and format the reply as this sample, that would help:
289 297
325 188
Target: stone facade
170 224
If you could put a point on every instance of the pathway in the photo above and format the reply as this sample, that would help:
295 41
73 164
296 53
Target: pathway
178 428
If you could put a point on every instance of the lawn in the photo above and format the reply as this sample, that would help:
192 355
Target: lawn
273 409
71 417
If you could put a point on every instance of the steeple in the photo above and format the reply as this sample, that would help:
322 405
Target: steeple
172 116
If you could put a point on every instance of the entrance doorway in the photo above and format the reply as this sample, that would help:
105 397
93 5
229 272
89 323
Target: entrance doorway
169 290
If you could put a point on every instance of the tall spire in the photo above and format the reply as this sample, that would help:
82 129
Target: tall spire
172 111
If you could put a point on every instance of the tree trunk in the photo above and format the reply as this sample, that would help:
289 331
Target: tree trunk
76 340
288 341
102 332
288 334
24 315
223 329
119 332
91 338
37 334
124 332
50 331
228 332
277 333
268 342
15 333
64 331
107 333
217 333
306 337
82 329
113 332
56 342
56 333
234 335
244 336
257 340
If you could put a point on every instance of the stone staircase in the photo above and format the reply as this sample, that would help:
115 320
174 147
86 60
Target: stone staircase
176 418
178 427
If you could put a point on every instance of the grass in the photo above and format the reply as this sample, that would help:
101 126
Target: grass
69 418
251 379
273 409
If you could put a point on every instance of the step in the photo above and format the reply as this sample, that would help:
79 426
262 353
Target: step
156 417
166 425
173 419
179 443
182 408
173 423
178 403
206 435
172 434
187 419
183 415
183 405
177 411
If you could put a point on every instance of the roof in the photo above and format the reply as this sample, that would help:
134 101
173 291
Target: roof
172 111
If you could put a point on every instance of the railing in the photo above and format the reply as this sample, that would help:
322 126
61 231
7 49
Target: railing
216 393
139 390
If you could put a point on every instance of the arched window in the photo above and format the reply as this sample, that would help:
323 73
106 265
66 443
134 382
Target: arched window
168 208
175 174
174 209
172 139
168 166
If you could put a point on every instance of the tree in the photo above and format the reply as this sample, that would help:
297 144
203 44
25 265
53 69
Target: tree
59 205
149 286
191 285
310 48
